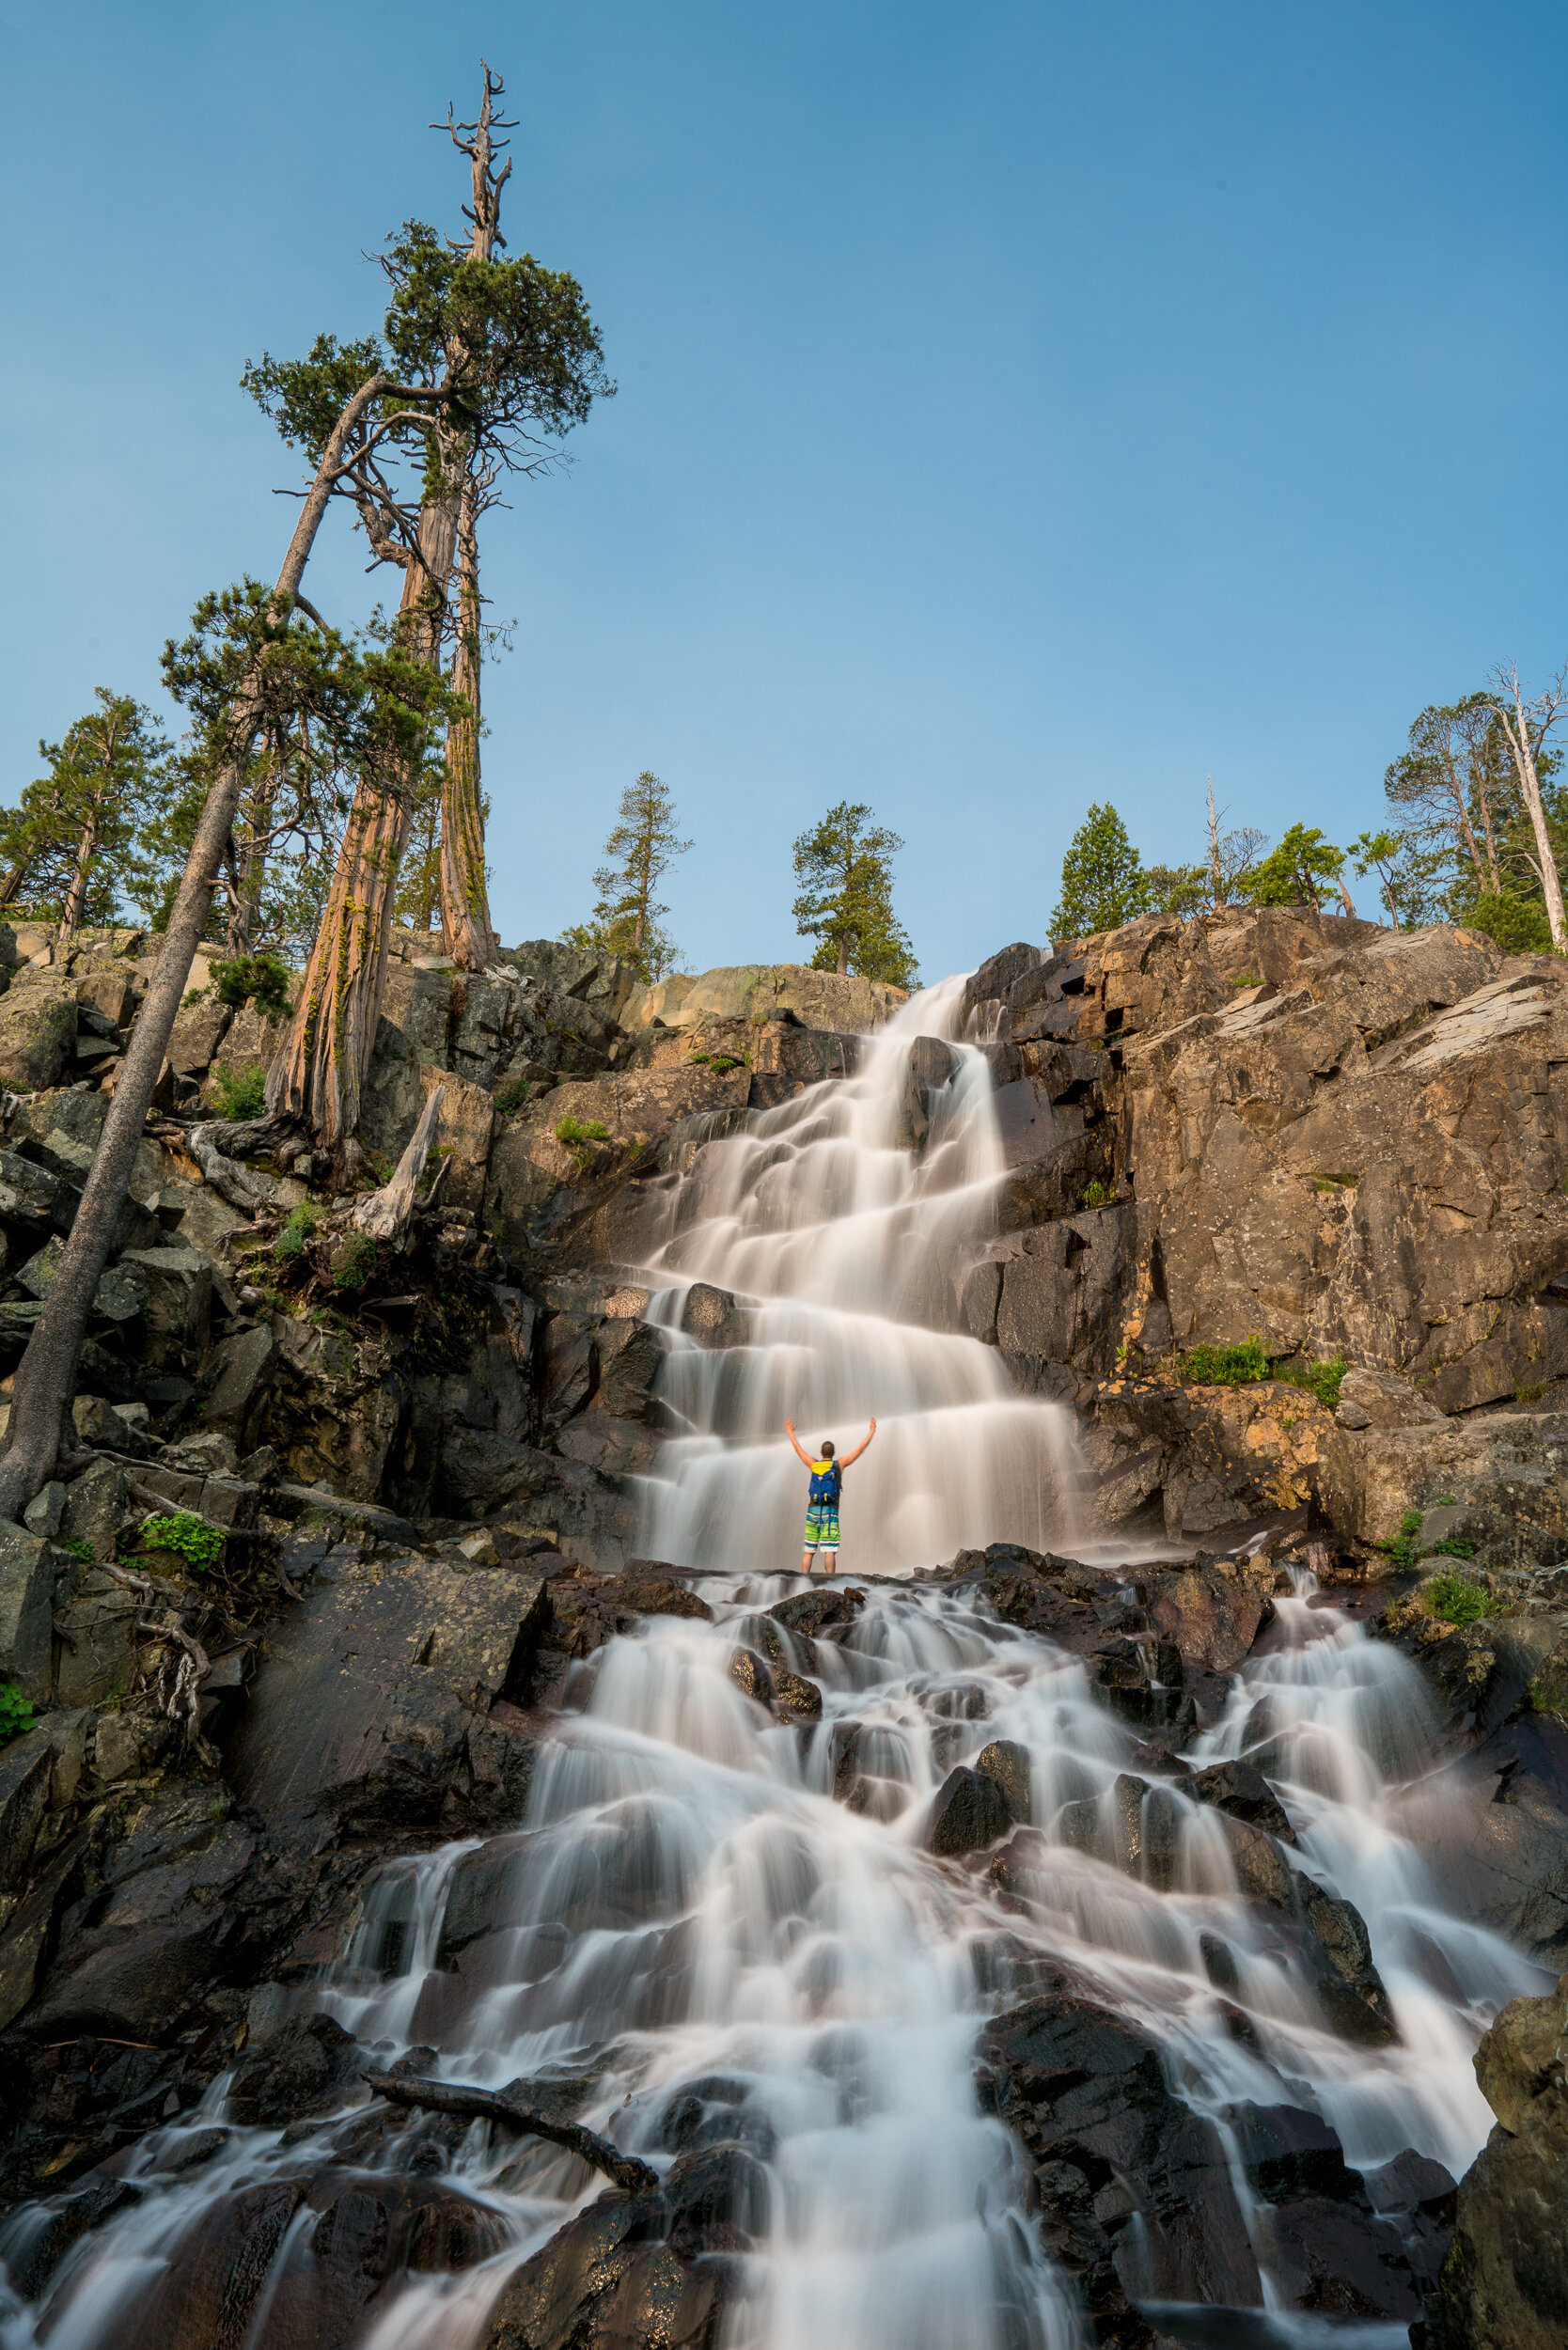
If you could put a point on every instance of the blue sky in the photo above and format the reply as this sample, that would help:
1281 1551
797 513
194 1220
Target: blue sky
1019 406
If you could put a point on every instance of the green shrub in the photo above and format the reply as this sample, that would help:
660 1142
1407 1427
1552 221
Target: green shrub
180 1530
578 1134
514 1096
16 1713
1096 1195
261 979
241 1096
355 1263
292 1241
1226 1366
77 1547
1320 1379
1457 1600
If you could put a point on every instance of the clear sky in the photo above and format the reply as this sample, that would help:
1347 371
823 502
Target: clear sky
1019 406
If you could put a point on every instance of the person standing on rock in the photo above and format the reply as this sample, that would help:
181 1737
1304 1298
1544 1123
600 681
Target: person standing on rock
821 1509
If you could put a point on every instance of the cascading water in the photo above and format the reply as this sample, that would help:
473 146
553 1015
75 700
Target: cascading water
847 1252
736 1957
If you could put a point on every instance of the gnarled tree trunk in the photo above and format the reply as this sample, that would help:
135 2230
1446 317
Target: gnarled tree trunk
318 1074
47 1376
465 925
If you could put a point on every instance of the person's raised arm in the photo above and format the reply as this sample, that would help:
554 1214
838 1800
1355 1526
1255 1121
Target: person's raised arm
789 1431
859 1448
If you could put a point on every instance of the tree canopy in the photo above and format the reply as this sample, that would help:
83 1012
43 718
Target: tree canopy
628 919
844 867
1102 881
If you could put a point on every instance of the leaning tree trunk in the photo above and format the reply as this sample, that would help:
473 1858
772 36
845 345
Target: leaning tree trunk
1517 735
319 1072
465 925
76 896
46 1378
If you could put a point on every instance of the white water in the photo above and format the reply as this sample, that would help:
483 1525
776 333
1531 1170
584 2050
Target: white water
848 1254
687 1904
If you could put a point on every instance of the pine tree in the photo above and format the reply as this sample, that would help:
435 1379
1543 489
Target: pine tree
1102 881
627 919
844 865
69 846
1290 875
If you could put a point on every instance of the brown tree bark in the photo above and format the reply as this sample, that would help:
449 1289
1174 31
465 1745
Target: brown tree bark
46 1378
76 896
466 930
319 1072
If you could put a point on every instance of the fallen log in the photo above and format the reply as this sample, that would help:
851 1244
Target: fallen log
502 2106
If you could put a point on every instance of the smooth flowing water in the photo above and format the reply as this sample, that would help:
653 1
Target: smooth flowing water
739 1957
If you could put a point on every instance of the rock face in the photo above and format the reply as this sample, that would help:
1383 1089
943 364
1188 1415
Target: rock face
1342 1140
1505 2282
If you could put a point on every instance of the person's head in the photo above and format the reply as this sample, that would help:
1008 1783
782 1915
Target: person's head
828 1448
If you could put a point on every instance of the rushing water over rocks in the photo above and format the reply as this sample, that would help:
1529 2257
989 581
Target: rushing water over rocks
1118 2041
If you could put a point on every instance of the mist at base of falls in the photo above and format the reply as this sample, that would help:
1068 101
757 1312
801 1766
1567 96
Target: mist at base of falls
688 1921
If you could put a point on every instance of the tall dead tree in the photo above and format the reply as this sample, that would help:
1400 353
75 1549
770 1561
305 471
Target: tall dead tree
1524 727
518 340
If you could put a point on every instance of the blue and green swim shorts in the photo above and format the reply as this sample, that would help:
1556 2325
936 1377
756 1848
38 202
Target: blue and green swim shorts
822 1526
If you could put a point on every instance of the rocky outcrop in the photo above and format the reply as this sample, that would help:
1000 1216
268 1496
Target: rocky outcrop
1505 2281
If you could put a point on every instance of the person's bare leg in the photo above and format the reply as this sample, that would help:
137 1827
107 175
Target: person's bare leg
807 1556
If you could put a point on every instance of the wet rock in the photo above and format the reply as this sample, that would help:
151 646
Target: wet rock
751 1676
811 1613
970 1811
368 1694
1505 2282
1245 1794
931 1066
1135 2190
1213 1614
1064 1295
598 2282
309 2065
712 1317
796 1699
1007 1765
1338 1957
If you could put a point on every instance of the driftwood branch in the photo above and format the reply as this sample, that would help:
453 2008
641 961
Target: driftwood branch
386 1212
504 2107
241 1189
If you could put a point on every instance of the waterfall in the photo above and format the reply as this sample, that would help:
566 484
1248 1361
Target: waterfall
846 1252
689 1924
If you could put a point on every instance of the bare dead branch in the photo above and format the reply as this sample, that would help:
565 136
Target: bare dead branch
505 2107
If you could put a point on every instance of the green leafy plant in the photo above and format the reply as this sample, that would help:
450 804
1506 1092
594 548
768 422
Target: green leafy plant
1318 1379
1096 1195
77 1547
1225 1366
240 1096
261 979
1457 1600
1246 979
291 1242
514 1096
191 1538
355 1263
579 1135
1530 1392
1401 1550
16 1713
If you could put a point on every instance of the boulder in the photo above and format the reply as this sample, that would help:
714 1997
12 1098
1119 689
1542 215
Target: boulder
1502 1469
198 1031
712 1317
1505 2282
970 1811
1064 1294
1375 1399
26 1767
240 1370
38 1031
366 1699
179 1282
97 1636
27 1573
1007 1765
